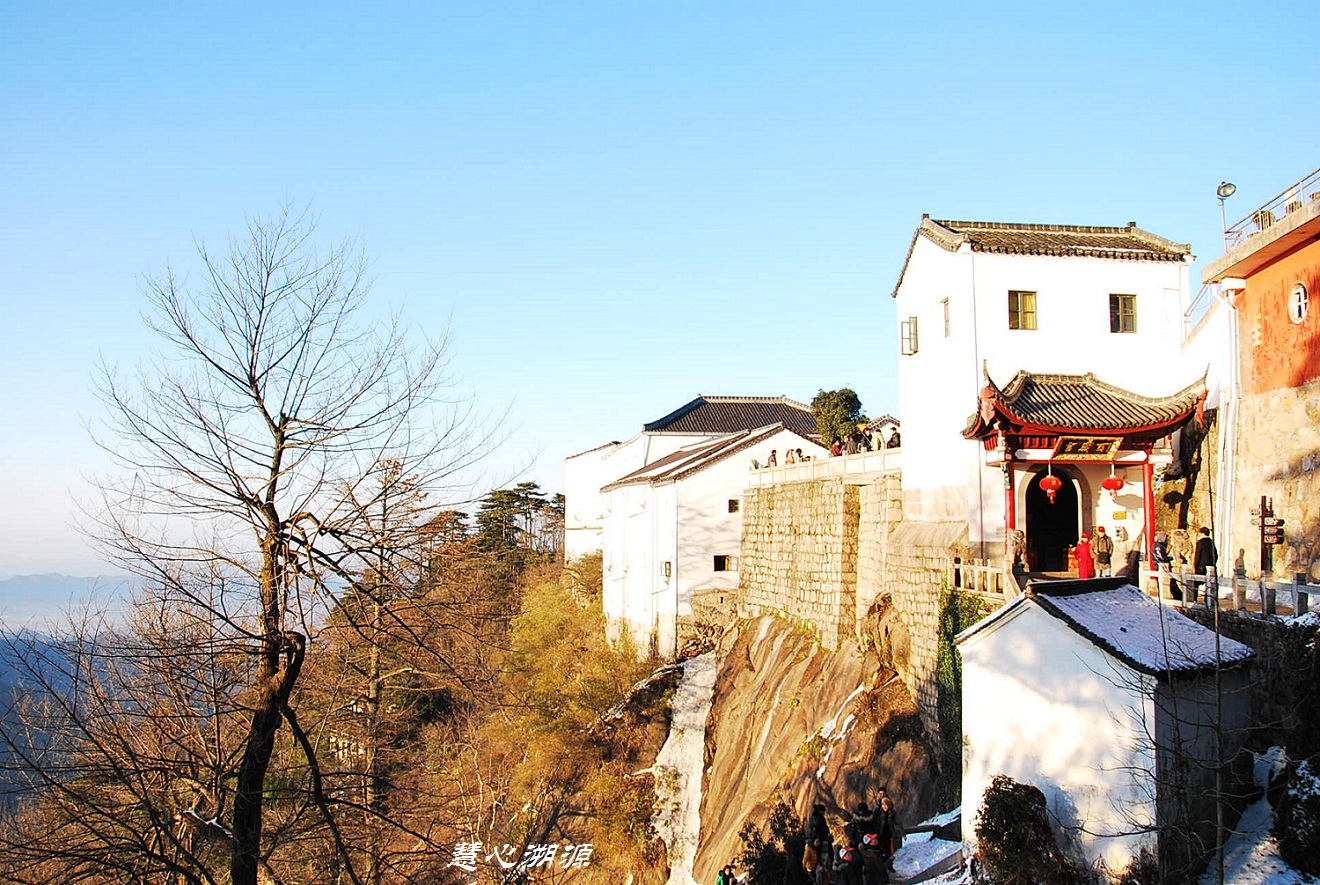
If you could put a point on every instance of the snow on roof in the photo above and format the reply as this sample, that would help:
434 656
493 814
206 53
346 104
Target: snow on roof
1133 627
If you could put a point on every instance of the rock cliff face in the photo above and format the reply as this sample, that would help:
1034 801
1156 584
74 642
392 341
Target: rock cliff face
794 721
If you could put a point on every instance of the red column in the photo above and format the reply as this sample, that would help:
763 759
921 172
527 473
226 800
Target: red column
1148 503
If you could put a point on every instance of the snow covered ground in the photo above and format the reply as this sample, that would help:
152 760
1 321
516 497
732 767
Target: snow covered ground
1251 856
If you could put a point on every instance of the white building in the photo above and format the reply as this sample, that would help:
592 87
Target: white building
701 420
979 302
1112 713
672 531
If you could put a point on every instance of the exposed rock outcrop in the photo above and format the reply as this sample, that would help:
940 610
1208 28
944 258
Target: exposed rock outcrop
794 721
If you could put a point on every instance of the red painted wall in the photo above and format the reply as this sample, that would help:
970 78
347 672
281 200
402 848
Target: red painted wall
1277 353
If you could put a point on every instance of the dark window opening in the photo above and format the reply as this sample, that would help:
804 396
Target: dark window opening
1122 313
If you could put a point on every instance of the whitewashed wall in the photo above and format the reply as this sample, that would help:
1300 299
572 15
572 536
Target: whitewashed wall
585 473
1074 724
944 475
686 523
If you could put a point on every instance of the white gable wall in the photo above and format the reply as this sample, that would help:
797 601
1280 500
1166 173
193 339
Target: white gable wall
944 476
586 473
1076 727
685 523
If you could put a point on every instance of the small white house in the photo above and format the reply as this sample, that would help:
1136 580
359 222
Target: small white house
1104 699
701 420
673 530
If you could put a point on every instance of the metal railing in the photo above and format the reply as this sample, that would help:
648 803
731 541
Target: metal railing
1293 198
1199 308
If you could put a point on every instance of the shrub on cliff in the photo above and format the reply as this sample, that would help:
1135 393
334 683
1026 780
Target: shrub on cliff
958 611
774 859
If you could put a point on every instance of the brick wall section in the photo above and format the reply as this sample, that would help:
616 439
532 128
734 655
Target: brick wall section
824 553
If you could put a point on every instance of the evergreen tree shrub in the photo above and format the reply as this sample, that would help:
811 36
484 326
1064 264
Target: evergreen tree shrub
1016 845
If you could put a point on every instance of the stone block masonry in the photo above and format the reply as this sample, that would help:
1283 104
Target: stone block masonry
828 554
799 556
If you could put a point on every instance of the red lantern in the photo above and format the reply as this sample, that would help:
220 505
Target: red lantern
1113 485
1050 485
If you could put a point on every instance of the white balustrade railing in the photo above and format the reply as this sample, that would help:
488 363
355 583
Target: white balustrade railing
860 465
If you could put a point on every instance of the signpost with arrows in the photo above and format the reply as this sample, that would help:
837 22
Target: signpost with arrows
1271 532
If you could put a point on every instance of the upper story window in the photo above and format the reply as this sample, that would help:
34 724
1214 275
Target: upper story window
908 334
1299 302
1122 313
1021 309
945 306
735 505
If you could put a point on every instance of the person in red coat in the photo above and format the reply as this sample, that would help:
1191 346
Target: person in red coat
1085 562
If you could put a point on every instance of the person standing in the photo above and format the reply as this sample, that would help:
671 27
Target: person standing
1164 567
1205 557
1103 547
1085 564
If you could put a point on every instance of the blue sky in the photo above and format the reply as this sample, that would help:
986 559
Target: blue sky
612 206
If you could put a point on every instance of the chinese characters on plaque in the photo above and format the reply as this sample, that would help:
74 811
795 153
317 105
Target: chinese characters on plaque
1086 448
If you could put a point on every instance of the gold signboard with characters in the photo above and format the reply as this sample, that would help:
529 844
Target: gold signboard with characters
1086 448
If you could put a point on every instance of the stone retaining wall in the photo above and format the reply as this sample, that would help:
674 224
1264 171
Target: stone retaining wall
829 555
799 556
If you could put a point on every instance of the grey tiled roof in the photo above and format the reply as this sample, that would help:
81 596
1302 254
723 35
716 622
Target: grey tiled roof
689 460
730 414
1084 402
1127 243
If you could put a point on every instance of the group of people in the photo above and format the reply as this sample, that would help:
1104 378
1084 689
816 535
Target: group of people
1095 555
866 854
1205 556
1095 558
791 456
863 439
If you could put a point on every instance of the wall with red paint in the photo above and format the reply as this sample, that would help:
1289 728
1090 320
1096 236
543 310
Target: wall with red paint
1276 352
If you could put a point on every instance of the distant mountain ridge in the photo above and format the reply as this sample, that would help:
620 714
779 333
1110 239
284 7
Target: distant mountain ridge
28 598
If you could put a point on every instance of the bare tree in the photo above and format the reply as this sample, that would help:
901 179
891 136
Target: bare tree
248 445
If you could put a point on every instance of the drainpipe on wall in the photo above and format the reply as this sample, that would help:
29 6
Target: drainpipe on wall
1228 429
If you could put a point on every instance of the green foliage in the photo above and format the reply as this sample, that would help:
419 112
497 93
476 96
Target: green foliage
837 413
518 528
586 576
774 859
958 611
1297 822
1013 835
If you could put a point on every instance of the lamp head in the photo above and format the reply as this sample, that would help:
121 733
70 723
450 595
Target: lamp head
1226 189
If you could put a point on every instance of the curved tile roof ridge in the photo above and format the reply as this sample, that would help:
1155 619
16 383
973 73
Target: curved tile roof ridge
1016 386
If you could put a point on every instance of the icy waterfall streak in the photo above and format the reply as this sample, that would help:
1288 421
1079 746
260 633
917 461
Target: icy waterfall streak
679 765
